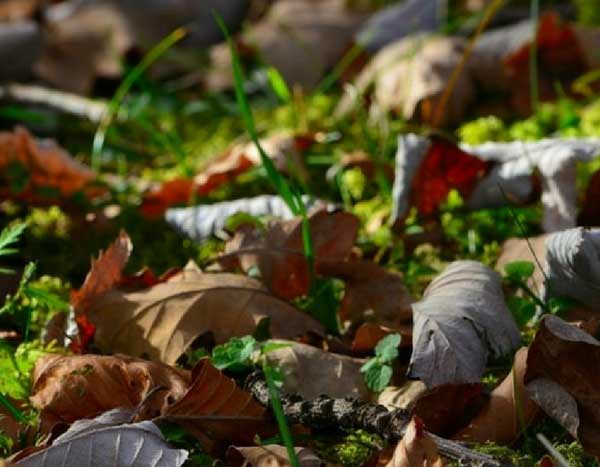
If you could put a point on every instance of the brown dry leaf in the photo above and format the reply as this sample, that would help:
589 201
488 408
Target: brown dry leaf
311 372
416 448
508 412
9 426
562 377
410 75
270 455
236 416
105 273
82 47
279 253
369 334
161 322
69 388
316 33
402 397
371 289
44 165
12 10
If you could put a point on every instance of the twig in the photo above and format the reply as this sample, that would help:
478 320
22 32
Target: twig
351 414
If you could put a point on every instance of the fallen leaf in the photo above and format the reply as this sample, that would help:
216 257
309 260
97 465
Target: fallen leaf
214 409
526 249
13 10
83 46
561 378
590 212
108 440
401 397
416 448
371 289
201 222
315 33
573 265
284 149
369 334
311 372
461 319
270 455
9 426
161 322
21 43
427 169
69 388
278 252
507 413
39 171
409 77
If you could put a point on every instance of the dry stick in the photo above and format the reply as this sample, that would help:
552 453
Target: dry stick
491 10
65 102
352 414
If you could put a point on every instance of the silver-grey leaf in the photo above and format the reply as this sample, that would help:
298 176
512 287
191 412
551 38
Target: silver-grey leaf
461 319
201 222
573 265
108 441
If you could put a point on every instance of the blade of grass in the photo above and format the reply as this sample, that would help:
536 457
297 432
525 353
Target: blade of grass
12 410
282 423
113 106
9 236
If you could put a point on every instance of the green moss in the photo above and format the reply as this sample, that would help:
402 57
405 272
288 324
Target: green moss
352 451
482 130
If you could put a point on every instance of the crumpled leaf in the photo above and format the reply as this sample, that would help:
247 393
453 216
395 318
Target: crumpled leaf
203 221
83 46
427 169
312 372
161 322
106 441
562 378
236 416
315 33
410 75
39 171
371 289
573 265
554 158
508 412
284 149
397 21
270 455
416 448
279 254
461 319
491 175
69 388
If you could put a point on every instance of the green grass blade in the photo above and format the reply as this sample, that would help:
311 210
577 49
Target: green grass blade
278 84
12 410
282 423
134 75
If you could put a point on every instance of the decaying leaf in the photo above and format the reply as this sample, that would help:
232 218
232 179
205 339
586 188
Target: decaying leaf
39 171
573 265
562 378
108 440
491 175
83 46
161 322
371 289
427 169
279 255
312 372
214 409
401 397
416 448
70 388
284 149
369 334
508 412
315 33
410 75
511 180
201 222
270 455
461 319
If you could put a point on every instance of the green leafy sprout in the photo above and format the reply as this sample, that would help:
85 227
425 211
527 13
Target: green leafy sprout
378 370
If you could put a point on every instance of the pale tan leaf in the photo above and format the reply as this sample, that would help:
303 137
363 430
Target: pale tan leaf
270 455
416 449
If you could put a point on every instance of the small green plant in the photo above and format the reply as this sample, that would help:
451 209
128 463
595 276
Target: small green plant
378 370
8 237
235 355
